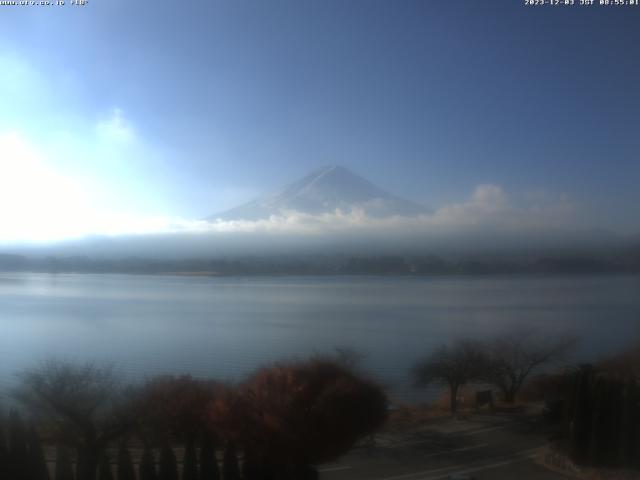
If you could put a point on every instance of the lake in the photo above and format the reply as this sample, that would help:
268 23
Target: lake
226 327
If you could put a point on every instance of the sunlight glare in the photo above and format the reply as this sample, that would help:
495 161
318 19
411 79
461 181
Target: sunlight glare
37 203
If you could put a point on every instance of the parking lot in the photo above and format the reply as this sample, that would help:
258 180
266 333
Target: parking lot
480 447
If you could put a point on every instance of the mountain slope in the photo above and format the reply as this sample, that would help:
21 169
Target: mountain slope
325 191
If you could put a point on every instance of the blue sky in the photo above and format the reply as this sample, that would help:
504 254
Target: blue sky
123 112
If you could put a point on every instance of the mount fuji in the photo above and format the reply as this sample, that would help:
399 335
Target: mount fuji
325 191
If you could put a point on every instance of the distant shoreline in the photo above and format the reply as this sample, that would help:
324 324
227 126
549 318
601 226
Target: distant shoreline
323 265
328 275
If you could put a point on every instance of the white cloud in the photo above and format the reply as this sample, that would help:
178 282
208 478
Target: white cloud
489 207
41 203
116 128
36 202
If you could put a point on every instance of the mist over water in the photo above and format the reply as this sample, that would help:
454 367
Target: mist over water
226 327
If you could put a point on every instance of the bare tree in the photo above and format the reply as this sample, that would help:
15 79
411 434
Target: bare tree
517 354
452 365
80 405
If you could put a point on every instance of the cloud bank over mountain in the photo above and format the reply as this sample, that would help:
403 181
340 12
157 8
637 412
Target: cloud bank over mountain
329 189
489 207
333 200
334 209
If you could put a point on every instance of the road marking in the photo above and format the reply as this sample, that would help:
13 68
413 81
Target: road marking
482 430
518 456
412 442
422 442
461 449
483 467
334 469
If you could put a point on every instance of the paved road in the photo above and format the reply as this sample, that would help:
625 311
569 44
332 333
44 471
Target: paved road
487 447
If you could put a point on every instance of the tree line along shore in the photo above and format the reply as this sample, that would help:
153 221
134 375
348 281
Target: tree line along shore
575 263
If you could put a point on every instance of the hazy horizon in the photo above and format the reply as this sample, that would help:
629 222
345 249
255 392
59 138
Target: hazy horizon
490 221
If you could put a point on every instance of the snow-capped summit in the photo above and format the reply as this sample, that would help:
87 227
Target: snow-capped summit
326 190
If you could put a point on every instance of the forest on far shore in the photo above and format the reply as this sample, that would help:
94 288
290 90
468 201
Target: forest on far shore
558 263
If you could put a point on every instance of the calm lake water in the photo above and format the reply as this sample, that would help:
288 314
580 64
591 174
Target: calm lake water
225 327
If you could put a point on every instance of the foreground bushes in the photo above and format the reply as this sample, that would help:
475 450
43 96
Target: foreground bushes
282 420
300 413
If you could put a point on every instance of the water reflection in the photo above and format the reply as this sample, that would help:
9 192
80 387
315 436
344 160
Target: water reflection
224 327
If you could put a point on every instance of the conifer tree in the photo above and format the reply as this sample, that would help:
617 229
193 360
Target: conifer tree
125 464
230 468
147 468
168 466
190 461
64 469
209 469
104 468
4 454
18 451
251 468
37 460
